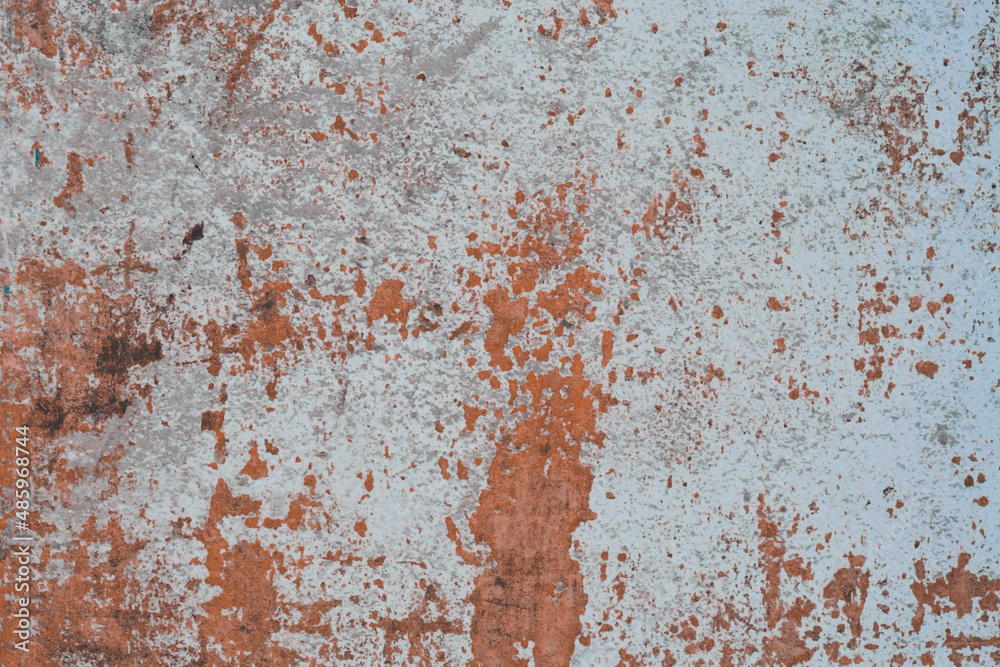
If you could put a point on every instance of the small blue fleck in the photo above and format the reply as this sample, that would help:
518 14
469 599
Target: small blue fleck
37 153
6 289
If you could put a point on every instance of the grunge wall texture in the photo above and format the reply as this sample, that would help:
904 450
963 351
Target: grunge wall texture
550 333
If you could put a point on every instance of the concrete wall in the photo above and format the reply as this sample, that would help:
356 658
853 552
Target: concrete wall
499 333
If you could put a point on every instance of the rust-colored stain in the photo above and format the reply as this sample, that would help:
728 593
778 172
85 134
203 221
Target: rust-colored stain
612 333
37 22
74 181
537 496
388 302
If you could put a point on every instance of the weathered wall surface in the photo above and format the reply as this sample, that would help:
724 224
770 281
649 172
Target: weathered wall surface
496 333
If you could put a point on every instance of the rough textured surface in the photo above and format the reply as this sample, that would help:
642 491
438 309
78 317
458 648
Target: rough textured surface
563 333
